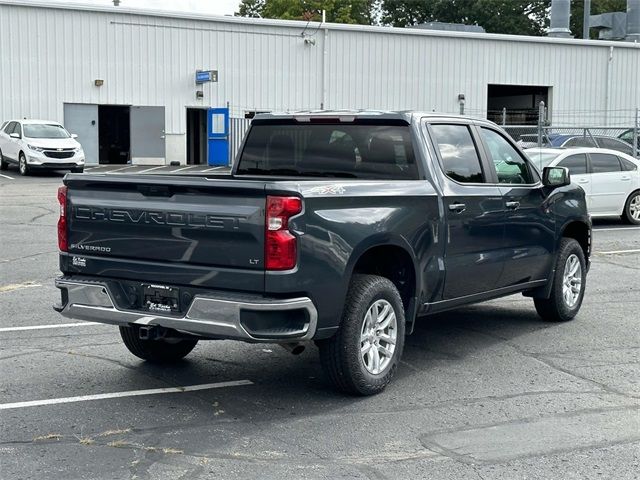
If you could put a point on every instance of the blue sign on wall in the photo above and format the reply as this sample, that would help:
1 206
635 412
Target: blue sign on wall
204 76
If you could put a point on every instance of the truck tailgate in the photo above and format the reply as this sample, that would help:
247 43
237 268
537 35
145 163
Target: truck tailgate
192 221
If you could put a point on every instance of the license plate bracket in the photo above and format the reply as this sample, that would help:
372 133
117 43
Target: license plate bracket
160 298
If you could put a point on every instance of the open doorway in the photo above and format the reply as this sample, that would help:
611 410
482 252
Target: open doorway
114 134
516 104
196 136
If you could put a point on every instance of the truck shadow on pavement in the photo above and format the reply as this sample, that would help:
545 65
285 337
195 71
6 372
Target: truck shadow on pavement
443 342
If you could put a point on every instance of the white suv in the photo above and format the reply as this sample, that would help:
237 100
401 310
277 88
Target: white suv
38 144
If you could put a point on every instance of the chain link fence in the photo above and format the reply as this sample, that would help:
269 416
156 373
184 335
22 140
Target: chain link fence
614 129
535 128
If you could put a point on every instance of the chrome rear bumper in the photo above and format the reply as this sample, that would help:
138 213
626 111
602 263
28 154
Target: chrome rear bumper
208 315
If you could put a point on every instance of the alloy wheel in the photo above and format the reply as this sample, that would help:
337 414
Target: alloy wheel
378 337
572 280
634 207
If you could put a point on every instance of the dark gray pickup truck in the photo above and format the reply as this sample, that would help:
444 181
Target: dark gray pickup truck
338 228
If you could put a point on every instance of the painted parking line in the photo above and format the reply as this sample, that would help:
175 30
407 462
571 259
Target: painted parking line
615 229
613 252
120 169
214 168
131 393
6 176
183 168
18 286
151 169
44 327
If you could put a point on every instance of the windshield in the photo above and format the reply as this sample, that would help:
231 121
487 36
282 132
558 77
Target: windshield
44 130
329 150
541 159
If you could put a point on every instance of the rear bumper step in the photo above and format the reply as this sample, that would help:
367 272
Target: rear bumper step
225 316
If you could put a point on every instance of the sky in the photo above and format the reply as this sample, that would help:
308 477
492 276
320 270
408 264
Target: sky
214 7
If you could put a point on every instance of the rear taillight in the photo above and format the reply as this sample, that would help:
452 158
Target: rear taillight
281 251
62 221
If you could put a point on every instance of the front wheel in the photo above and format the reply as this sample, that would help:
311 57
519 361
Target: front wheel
22 165
363 356
569 282
3 164
162 350
632 209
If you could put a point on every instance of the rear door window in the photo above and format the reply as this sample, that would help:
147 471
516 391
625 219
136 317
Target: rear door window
347 150
604 162
577 164
511 167
460 158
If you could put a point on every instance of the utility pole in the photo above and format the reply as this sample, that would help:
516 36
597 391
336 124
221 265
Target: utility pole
586 19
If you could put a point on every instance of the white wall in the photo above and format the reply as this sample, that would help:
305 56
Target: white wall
49 56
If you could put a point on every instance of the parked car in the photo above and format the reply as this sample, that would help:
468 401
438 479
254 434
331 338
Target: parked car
610 179
530 140
627 136
339 228
39 144
597 141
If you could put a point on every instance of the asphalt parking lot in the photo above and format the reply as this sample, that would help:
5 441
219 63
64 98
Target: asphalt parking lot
487 391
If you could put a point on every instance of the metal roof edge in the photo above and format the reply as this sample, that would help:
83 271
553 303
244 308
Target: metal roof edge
264 22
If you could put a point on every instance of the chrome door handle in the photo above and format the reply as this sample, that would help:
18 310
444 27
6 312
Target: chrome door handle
512 205
625 178
583 180
457 207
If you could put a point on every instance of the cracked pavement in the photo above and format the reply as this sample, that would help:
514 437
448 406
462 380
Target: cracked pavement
488 391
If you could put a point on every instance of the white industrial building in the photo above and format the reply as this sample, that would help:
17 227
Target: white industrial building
125 80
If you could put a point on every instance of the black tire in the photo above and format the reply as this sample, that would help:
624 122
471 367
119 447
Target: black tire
157 351
77 170
23 167
340 355
556 308
3 164
632 202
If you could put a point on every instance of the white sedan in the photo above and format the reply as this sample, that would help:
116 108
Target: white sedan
38 144
610 179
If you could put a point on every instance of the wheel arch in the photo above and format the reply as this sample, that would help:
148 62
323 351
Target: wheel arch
579 231
393 258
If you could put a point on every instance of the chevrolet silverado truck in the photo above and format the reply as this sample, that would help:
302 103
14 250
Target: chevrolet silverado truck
335 228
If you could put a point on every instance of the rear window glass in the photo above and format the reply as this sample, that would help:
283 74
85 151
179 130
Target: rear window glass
329 150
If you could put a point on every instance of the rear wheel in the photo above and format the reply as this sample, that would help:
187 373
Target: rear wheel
363 356
632 208
3 164
568 287
163 350
22 165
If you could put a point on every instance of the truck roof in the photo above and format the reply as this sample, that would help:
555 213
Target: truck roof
408 116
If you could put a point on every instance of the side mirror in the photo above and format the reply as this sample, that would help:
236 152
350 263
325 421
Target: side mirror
556 176
14 135
74 136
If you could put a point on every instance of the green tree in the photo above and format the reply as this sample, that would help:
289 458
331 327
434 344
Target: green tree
518 17
250 8
338 11
597 7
